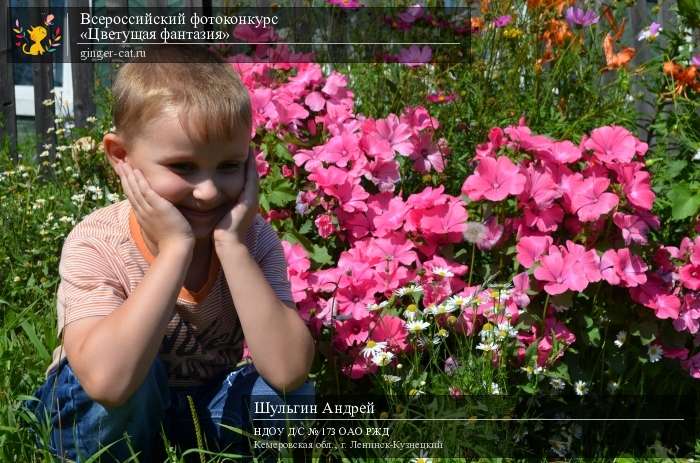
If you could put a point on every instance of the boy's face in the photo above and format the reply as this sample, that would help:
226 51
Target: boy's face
203 181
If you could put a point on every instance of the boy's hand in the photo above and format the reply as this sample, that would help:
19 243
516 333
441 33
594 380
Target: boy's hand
159 219
233 226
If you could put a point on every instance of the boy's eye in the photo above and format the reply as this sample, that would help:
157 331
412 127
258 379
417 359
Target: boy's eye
182 167
230 165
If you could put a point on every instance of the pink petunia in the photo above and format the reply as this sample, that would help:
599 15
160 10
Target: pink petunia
622 267
589 199
554 272
385 136
494 180
530 248
324 225
521 285
612 144
392 330
584 265
633 227
689 275
692 365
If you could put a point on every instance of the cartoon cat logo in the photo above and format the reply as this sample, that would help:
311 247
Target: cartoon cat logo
33 45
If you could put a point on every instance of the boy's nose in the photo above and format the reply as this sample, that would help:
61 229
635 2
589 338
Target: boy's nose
205 190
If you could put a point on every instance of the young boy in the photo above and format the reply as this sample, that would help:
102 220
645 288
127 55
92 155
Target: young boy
157 292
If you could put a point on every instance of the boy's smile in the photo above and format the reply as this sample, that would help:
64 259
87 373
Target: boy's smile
202 180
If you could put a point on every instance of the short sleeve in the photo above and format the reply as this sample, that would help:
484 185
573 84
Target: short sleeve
270 256
90 284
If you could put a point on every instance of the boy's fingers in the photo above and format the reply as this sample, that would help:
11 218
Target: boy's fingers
150 198
125 183
137 198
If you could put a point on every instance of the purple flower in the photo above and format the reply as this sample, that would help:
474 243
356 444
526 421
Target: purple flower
502 21
695 61
411 14
415 56
650 33
576 17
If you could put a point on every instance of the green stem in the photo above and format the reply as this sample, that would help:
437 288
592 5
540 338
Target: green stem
471 265
544 312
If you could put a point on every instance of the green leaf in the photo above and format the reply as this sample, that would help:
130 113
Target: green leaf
34 339
684 202
676 167
305 227
319 254
264 202
529 388
281 193
646 331
282 153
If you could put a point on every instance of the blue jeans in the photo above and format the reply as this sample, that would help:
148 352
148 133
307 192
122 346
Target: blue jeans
80 426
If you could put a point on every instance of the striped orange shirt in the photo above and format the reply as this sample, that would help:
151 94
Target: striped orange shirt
104 259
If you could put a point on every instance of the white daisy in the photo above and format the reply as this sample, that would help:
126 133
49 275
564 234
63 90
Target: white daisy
411 312
439 309
377 307
382 358
458 302
505 330
416 326
487 347
442 272
373 348
581 388
655 353
557 384
620 338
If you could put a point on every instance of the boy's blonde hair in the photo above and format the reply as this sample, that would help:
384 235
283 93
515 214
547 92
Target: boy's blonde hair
191 81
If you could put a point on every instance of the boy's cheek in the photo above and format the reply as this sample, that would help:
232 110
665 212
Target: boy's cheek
171 187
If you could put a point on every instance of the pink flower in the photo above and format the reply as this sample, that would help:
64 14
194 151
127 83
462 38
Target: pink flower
553 271
521 285
633 227
565 152
353 300
692 365
411 14
384 136
494 233
612 144
636 185
297 259
390 212
451 365
428 155
442 98
324 225
540 187
351 332
494 180
391 329
254 34
589 199
689 275
347 4
584 266
622 267
449 220
415 56
530 248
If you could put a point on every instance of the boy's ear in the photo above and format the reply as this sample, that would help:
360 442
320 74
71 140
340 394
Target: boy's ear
115 148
